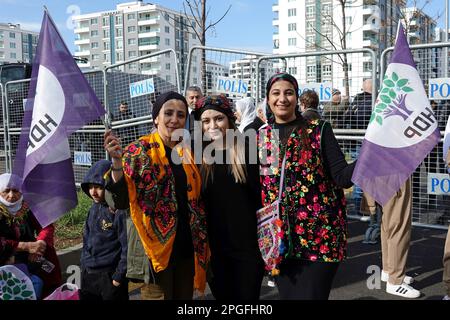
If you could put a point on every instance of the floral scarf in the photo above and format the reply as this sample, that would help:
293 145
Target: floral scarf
153 205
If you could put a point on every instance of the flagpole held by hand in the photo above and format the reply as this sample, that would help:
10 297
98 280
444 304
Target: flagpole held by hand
113 147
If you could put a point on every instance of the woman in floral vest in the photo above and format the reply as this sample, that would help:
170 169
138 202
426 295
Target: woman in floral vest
312 204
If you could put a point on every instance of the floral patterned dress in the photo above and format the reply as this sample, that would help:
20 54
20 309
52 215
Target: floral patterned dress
312 207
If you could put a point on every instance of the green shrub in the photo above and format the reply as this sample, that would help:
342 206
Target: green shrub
70 225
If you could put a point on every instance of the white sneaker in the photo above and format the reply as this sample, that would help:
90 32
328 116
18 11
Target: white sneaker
385 278
446 298
403 290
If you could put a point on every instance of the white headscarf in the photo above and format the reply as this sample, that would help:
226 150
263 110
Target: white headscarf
246 107
8 180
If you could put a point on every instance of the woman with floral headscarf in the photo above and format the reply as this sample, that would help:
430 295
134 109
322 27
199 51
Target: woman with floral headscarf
157 179
231 191
18 241
312 204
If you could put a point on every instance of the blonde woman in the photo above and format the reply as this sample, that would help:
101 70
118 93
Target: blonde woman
231 191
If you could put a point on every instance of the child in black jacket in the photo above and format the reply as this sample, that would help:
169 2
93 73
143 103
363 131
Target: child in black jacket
104 255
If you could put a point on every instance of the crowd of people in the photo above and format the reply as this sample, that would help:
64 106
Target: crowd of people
172 221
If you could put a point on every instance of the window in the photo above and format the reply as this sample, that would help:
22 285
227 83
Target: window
348 21
167 29
310 12
310 41
194 69
349 66
12 45
12 55
106 33
292 12
106 57
166 16
167 54
167 42
133 67
292 26
348 37
367 66
2 44
105 21
119 19
105 45
309 27
167 66
292 41
326 70
131 16
293 70
2 55
131 29
95 57
132 41
12 35
311 71
132 54
1 34
94 33
119 56
94 21
119 44
349 82
168 78
326 9
194 36
119 32
94 45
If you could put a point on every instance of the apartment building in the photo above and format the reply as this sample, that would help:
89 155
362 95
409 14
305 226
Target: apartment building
318 25
16 44
132 30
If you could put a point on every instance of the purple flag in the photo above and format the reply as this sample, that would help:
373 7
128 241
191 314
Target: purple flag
60 101
402 128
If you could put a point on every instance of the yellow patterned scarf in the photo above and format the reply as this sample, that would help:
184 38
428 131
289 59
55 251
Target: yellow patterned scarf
153 205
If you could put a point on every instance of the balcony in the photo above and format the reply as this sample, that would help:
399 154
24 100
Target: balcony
152 60
372 11
82 53
275 7
275 22
372 28
149 47
81 30
149 34
145 22
414 35
79 42
370 43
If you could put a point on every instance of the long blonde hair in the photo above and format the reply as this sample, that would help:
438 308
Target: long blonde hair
237 160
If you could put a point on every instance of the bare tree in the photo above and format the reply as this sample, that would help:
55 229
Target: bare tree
342 32
197 9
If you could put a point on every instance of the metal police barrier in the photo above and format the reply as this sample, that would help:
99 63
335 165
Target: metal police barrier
327 73
86 144
337 77
227 71
132 87
3 139
430 181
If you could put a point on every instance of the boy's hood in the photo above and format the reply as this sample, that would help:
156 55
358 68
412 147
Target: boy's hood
95 175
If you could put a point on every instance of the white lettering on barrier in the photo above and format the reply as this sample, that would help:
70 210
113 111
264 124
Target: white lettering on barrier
142 88
82 158
324 90
438 183
439 89
232 86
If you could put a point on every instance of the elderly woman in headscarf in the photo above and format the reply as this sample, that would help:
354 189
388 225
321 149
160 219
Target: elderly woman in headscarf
18 243
157 179
312 203
246 115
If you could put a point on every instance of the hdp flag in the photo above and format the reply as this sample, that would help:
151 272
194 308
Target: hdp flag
446 143
402 128
60 101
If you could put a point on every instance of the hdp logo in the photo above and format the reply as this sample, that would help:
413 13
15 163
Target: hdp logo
391 101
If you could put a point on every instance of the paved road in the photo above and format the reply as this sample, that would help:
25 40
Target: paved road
424 263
